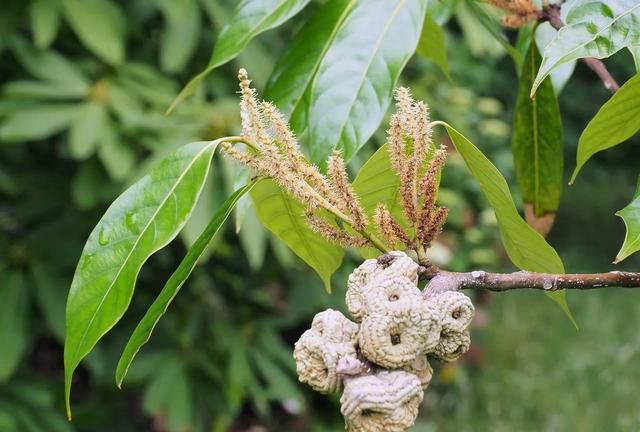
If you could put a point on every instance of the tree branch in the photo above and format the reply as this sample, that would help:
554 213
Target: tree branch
501 282
551 13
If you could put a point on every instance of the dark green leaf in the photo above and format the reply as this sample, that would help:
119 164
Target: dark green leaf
537 140
526 248
283 216
432 44
142 333
616 121
99 24
168 395
631 217
595 29
353 86
45 21
144 219
13 315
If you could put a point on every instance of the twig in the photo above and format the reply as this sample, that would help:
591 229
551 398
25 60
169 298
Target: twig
551 13
500 282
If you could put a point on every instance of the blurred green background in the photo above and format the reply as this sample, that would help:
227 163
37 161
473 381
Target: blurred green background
84 89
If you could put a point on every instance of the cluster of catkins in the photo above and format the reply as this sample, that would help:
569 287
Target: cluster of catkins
380 362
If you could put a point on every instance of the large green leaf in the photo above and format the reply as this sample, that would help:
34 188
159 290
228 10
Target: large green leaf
353 86
537 140
99 24
526 248
432 44
631 217
617 120
142 333
13 315
592 28
145 218
250 18
284 216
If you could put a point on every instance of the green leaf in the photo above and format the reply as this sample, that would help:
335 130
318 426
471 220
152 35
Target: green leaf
526 248
41 90
45 21
354 84
180 35
560 75
116 155
631 217
616 121
99 24
284 216
432 44
86 129
595 29
168 395
144 219
37 122
537 140
492 25
13 330
250 18
142 333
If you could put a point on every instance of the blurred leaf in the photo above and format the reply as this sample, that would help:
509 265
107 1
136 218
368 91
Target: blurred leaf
45 21
142 333
490 23
50 298
560 75
116 155
253 238
250 18
13 324
144 219
90 186
284 217
37 122
180 35
353 86
86 129
526 248
168 396
41 90
432 45
631 217
537 140
616 121
595 29
99 24
280 385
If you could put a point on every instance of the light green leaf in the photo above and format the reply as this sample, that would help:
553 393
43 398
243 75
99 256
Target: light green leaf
616 121
526 248
432 44
41 90
492 25
592 28
142 333
354 84
86 129
99 24
283 216
45 21
250 18
116 155
181 32
13 330
631 217
169 395
144 219
37 122
560 75
537 140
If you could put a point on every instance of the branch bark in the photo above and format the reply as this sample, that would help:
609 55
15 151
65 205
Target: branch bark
551 13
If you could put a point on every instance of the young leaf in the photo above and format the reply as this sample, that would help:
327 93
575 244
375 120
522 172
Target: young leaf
537 142
144 219
353 86
283 216
616 121
526 248
99 24
145 327
596 29
432 44
250 18
45 21
631 217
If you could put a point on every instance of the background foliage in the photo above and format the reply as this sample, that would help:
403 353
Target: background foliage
84 89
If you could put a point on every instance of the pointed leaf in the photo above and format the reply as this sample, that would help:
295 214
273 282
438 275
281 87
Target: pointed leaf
526 248
432 44
354 83
537 140
596 29
631 217
142 333
616 121
144 219
284 216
